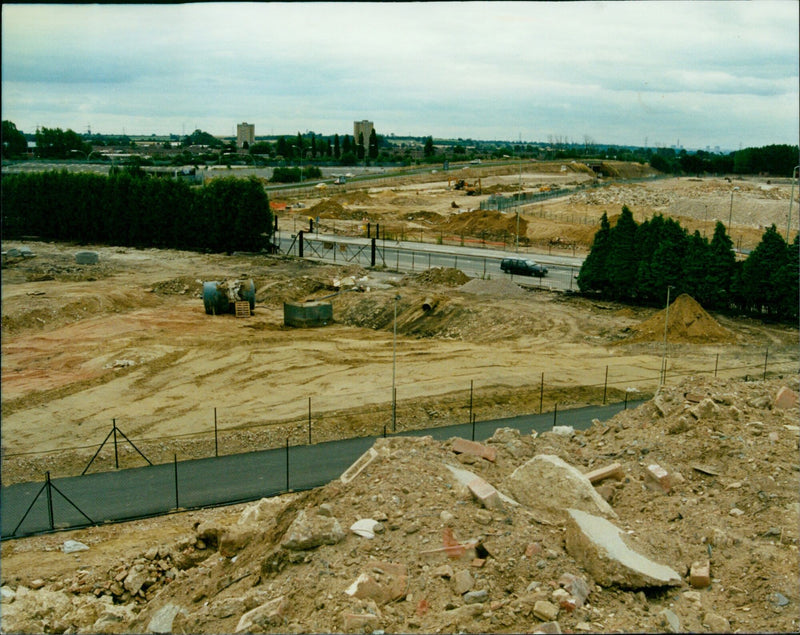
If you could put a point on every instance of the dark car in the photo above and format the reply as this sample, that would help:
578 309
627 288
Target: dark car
523 267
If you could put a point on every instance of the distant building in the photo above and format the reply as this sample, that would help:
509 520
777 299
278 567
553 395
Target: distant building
362 127
245 135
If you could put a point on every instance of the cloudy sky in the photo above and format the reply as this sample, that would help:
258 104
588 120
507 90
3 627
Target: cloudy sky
692 73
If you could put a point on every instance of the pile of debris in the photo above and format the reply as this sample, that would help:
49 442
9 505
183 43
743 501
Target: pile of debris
679 515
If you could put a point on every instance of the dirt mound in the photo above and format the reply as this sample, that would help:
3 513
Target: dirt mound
688 323
446 276
486 224
428 218
502 287
184 285
358 197
327 208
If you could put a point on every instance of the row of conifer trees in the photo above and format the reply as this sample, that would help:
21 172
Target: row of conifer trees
638 262
137 210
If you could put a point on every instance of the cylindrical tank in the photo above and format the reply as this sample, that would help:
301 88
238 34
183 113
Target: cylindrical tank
219 297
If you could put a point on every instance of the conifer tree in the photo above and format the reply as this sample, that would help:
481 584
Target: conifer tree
593 275
622 261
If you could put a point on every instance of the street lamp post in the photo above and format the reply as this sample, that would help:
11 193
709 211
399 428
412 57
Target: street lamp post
796 170
394 367
666 325
730 214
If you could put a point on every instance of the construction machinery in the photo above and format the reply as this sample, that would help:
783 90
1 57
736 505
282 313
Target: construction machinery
470 189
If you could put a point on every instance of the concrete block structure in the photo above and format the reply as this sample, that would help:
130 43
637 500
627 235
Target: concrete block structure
362 127
245 135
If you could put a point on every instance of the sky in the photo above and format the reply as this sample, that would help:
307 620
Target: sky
692 74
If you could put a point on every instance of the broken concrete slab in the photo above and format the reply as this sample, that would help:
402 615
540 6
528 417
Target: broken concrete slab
382 582
268 614
599 547
311 530
487 495
356 468
549 486
465 477
162 619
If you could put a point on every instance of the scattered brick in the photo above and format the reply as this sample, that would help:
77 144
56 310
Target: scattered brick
463 446
700 574
488 496
609 471
657 475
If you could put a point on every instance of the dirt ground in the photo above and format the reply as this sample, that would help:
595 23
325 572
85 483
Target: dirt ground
128 340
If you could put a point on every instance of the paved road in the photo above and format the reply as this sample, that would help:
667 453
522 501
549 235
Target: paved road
411 256
152 490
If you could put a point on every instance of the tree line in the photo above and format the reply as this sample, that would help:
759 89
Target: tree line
637 263
132 209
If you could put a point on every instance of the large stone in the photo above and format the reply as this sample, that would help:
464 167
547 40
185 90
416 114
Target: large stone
162 619
463 581
382 582
598 546
786 398
261 617
309 530
137 576
549 486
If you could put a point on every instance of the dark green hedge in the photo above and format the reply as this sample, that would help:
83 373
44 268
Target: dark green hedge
227 214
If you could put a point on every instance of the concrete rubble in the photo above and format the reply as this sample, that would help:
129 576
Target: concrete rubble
516 538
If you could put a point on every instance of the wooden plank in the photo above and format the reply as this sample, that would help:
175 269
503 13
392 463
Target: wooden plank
242 308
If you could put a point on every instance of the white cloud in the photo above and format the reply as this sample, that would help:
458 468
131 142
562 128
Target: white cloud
717 73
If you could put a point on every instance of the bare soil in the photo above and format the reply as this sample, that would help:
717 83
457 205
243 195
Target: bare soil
128 340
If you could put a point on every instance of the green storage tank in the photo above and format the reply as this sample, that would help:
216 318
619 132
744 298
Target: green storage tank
305 314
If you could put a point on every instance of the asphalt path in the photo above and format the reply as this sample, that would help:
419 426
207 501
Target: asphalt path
153 490
409 256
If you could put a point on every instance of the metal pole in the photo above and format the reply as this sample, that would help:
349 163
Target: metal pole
175 463
664 358
116 455
541 395
287 464
626 400
394 367
49 502
555 413
470 400
605 386
716 365
216 440
791 200
766 357
309 421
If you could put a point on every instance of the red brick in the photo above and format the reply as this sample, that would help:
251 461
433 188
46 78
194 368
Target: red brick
488 496
786 398
463 446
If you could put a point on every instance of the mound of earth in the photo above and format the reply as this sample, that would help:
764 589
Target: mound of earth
357 197
431 218
487 223
688 323
446 276
428 536
501 287
327 208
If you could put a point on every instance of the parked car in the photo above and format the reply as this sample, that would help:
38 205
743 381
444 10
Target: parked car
523 267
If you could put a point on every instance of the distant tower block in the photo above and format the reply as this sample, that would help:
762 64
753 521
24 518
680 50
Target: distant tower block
245 135
362 127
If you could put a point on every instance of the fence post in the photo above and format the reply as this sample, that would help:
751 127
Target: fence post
116 455
555 413
372 253
716 365
175 464
470 400
216 441
300 244
49 502
287 464
605 386
766 357
541 394
309 421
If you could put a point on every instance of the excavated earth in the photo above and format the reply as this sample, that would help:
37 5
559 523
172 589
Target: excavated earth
127 339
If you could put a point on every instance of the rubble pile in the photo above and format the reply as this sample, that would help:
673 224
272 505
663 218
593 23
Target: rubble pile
679 515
